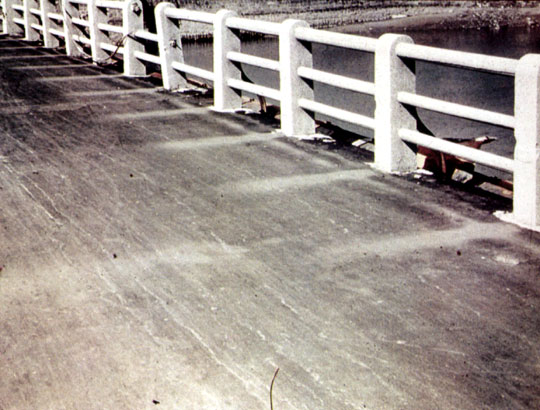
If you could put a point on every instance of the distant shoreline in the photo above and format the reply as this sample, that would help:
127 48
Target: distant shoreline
455 18
399 16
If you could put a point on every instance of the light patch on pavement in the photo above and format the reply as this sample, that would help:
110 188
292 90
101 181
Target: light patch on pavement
78 77
198 143
266 185
145 115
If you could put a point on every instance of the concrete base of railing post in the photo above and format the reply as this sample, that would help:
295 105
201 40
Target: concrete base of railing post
225 41
295 121
133 21
170 48
49 40
527 150
392 75
30 33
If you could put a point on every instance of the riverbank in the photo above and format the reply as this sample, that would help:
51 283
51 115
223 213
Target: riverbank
364 17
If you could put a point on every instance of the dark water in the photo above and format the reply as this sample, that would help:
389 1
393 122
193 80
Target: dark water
482 90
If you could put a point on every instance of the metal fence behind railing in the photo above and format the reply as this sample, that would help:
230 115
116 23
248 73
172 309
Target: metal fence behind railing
83 26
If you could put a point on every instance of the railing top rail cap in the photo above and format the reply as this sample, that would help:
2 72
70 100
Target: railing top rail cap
190 15
494 64
258 26
336 39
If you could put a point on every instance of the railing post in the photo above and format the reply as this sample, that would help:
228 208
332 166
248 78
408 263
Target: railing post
225 41
170 48
12 28
3 8
392 75
69 11
133 21
49 40
527 150
96 16
30 33
295 121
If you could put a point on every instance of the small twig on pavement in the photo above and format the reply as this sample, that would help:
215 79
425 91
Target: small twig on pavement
272 388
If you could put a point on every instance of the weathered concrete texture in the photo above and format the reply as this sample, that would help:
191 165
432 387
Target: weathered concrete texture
156 254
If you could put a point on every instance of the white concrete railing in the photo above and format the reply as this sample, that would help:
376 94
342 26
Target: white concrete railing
83 25
393 89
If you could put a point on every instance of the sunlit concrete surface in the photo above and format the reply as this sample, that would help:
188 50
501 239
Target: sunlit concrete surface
156 254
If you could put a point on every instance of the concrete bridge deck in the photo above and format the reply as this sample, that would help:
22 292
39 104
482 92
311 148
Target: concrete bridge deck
155 254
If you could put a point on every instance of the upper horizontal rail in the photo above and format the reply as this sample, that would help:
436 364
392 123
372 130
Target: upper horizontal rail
336 39
110 28
190 15
497 65
110 4
256 26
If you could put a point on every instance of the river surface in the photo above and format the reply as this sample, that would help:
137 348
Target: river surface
482 90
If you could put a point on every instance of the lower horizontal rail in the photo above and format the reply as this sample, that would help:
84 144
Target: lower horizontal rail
337 113
55 16
112 48
458 150
57 33
150 58
80 22
255 89
336 80
19 21
146 35
457 110
81 39
189 69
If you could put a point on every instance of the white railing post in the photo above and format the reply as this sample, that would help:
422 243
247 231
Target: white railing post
97 15
225 41
392 75
30 33
170 48
69 11
132 21
13 29
3 8
49 40
527 150
295 121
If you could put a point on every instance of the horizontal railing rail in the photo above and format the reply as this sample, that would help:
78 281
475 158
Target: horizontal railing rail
86 25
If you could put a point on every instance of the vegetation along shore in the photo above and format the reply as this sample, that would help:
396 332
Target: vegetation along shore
358 16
